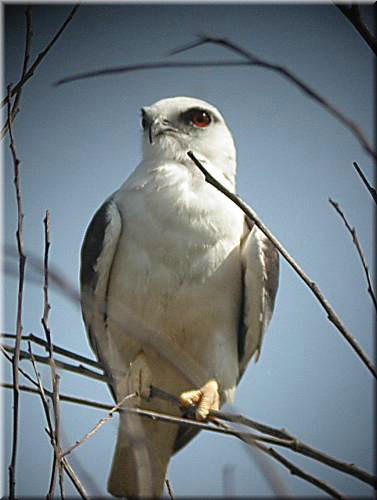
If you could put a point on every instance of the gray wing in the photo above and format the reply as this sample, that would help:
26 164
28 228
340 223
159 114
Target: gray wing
260 261
97 255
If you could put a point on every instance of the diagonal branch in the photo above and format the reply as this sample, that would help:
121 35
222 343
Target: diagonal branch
28 42
80 369
371 189
253 60
293 469
56 349
99 424
359 249
30 72
331 314
353 14
286 439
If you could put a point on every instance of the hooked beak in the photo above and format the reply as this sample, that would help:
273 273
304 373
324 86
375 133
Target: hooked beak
158 127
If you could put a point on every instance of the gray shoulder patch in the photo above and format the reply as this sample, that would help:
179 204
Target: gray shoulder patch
272 264
93 245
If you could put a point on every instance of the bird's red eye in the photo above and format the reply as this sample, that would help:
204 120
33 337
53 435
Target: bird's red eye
197 117
200 119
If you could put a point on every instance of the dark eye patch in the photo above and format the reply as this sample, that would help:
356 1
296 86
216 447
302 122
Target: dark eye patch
197 117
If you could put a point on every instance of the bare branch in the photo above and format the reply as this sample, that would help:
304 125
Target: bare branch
82 370
28 41
46 408
291 77
57 465
288 440
129 68
74 478
99 424
359 249
331 314
170 489
21 279
30 72
282 437
297 471
56 349
25 374
371 189
353 14
251 61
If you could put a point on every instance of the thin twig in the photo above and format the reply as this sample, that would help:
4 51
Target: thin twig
74 478
72 474
99 424
331 314
57 465
81 370
254 60
371 189
297 471
40 57
353 14
170 489
56 349
25 374
46 408
19 327
359 249
287 440
130 68
293 469
28 42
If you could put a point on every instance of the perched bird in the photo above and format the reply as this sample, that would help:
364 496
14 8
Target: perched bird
177 287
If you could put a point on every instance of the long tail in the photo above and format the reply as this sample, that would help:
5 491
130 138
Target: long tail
141 457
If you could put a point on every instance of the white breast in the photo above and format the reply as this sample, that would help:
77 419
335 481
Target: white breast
178 264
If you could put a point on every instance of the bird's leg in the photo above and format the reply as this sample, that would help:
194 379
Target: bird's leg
138 379
205 399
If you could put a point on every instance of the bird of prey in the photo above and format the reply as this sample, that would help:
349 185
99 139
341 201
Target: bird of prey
177 287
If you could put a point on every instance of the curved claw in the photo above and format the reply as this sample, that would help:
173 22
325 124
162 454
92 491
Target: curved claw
205 399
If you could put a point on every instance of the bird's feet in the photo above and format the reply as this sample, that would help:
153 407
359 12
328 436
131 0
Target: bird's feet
205 399
138 379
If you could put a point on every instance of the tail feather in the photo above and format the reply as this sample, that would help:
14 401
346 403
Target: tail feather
141 457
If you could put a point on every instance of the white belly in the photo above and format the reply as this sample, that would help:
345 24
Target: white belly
178 272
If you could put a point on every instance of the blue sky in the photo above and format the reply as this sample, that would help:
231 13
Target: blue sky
78 142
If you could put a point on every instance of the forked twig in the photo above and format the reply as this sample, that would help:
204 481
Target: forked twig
331 314
99 424
359 249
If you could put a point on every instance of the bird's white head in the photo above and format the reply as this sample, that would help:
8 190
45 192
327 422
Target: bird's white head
176 125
